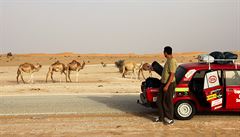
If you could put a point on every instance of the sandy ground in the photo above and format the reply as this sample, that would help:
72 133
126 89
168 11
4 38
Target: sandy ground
96 79
124 125
92 79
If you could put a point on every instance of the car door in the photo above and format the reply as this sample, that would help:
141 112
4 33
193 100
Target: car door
232 81
213 89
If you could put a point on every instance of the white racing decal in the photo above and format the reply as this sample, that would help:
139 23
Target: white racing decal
216 102
190 73
236 91
217 107
238 100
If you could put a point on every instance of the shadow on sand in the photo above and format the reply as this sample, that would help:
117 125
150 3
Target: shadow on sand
126 104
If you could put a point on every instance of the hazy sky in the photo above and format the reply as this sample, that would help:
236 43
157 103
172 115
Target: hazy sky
118 26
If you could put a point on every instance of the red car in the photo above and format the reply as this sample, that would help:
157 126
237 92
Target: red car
200 87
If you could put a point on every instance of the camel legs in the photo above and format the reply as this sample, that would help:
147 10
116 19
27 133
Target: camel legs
123 72
134 73
52 76
19 73
69 72
140 72
49 72
143 75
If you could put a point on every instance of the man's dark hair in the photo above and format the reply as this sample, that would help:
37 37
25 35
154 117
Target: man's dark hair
168 50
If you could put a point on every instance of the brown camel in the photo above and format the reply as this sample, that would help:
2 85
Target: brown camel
56 67
74 66
27 68
103 64
129 66
144 67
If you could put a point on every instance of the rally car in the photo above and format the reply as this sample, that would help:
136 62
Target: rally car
206 85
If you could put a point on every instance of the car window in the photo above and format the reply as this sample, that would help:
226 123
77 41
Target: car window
180 72
232 77
200 74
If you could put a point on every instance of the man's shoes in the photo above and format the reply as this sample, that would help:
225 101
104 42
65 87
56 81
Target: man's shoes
158 119
168 121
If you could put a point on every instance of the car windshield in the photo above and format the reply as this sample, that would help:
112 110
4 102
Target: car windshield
181 71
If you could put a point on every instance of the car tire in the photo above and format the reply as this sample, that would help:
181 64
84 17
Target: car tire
184 110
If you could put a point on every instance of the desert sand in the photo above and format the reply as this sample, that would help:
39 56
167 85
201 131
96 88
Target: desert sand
95 78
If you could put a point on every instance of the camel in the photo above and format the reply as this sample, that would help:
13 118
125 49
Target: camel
129 66
27 68
56 67
74 66
103 64
144 67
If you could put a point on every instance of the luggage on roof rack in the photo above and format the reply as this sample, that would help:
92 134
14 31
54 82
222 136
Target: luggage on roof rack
229 58
218 55
230 55
205 58
223 57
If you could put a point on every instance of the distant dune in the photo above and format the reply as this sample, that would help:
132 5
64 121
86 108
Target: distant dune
66 57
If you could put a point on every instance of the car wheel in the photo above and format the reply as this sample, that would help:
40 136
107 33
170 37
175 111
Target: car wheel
184 110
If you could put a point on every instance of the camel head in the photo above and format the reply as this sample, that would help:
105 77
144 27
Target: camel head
37 67
146 66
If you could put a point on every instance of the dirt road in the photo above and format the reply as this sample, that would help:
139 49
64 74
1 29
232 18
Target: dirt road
119 103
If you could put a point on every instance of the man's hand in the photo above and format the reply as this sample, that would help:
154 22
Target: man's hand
165 89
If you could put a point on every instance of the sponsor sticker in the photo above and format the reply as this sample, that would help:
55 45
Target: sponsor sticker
212 79
210 97
181 89
216 102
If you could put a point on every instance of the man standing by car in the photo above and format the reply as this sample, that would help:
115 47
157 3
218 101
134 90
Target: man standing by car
165 98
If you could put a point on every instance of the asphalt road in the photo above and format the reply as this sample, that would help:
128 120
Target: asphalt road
71 104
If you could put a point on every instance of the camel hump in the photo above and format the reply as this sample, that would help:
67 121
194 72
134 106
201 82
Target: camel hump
24 65
56 63
74 61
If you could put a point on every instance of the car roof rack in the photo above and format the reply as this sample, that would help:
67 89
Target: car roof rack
205 58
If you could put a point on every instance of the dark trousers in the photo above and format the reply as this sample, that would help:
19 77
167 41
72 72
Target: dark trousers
165 102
